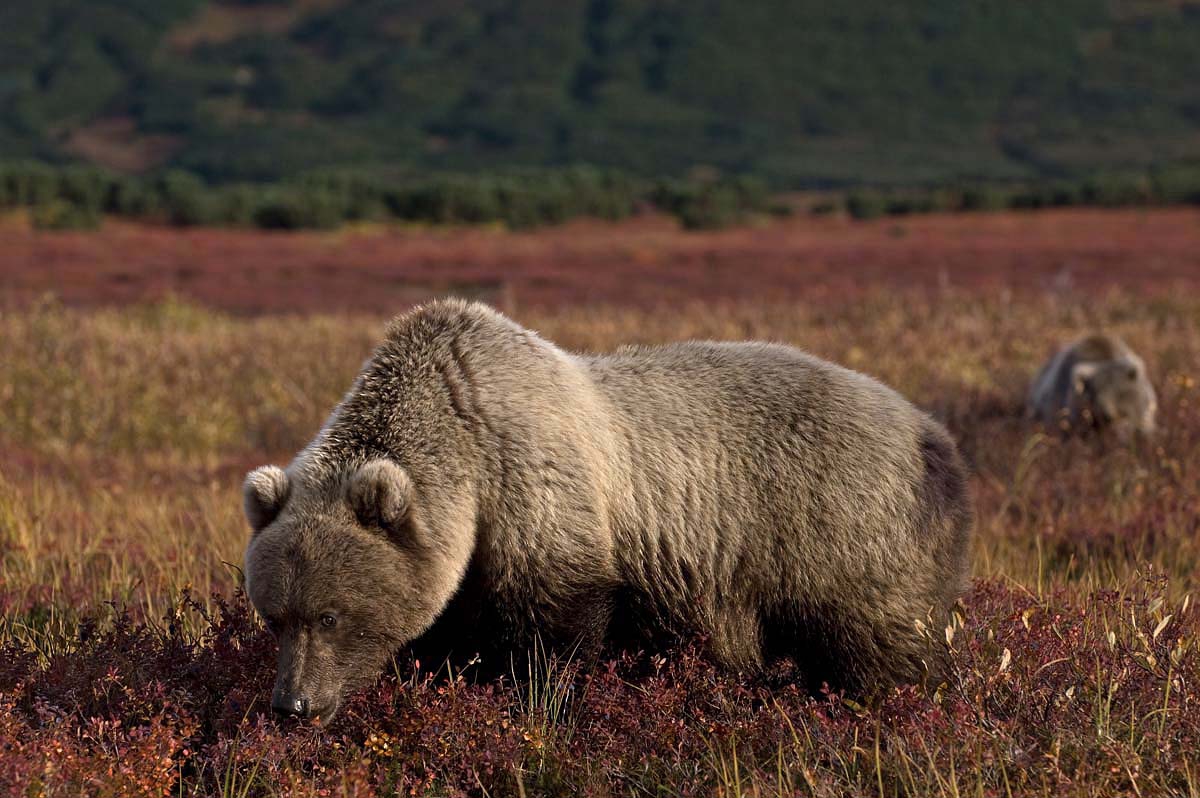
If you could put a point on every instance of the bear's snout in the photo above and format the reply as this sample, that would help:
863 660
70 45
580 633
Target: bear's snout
290 705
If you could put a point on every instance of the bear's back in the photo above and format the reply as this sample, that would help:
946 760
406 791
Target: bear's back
736 449
750 388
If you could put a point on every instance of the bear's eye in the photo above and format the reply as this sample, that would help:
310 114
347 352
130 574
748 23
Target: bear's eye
328 621
274 625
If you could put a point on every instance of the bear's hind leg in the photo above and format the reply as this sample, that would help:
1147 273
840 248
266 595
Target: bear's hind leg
863 653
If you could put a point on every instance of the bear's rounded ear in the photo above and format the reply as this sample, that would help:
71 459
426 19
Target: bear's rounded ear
263 495
380 494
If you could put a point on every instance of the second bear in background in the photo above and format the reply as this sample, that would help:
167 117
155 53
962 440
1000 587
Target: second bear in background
1096 382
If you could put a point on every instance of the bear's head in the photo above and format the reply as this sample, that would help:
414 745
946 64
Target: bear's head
1117 394
343 570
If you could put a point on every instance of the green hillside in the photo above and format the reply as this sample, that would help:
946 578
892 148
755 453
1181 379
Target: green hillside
799 92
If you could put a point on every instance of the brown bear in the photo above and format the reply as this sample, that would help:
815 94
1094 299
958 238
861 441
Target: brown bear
480 488
1097 382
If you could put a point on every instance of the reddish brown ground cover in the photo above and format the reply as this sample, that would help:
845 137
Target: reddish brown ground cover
645 261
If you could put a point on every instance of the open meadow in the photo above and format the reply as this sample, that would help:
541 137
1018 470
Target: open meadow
143 371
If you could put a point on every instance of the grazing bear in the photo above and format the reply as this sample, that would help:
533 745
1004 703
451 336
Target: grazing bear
1096 382
479 488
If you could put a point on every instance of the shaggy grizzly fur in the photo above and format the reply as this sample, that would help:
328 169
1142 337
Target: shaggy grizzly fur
479 487
1096 382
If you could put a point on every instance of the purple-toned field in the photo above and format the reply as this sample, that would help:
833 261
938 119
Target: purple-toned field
169 363
644 262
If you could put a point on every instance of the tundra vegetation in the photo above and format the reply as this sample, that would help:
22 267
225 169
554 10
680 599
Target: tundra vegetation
131 665
316 112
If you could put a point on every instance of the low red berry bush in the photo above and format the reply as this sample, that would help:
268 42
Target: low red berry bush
1052 695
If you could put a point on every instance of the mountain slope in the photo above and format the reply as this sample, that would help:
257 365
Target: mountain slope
803 93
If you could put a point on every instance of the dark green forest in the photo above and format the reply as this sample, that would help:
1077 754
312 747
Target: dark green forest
795 92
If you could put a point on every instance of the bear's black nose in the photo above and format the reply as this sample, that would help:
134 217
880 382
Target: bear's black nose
290 706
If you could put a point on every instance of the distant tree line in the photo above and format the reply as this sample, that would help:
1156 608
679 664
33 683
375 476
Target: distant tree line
1177 185
78 197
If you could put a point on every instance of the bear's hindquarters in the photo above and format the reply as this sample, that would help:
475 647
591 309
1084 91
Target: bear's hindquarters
868 638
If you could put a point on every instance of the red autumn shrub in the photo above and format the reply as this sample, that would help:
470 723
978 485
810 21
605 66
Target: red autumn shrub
1052 693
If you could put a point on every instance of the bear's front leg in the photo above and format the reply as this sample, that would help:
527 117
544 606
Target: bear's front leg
735 639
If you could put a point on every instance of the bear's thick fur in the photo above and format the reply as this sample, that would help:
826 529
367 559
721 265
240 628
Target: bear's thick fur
1095 382
479 487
